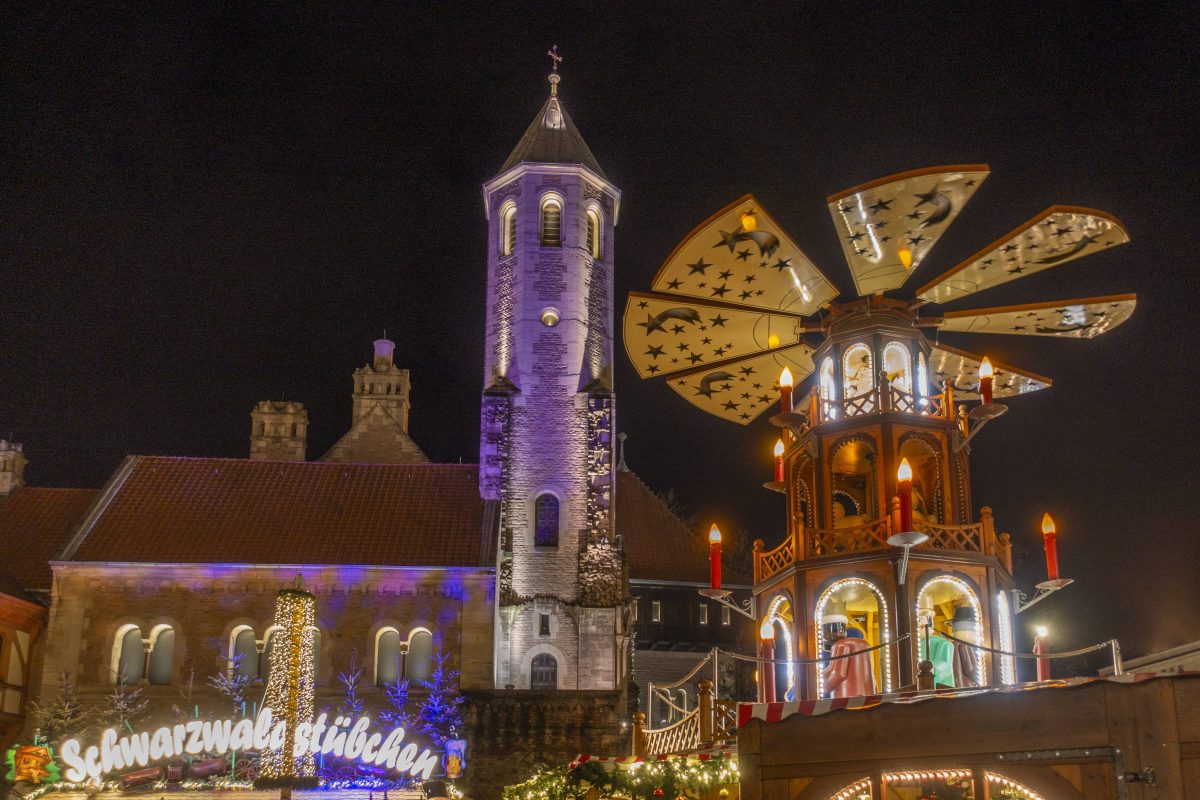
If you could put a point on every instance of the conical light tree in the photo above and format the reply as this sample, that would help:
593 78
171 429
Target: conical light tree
290 688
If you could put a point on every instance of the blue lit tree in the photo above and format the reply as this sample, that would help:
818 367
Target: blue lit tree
441 714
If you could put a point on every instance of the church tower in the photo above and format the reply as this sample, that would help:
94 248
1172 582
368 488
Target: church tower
546 460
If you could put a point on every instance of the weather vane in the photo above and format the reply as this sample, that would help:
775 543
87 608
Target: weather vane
554 56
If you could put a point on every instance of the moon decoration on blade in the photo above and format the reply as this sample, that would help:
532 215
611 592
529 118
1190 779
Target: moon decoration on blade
737 300
887 227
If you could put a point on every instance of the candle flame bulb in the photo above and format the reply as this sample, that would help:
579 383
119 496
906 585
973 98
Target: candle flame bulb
779 448
785 378
748 221
1047 525
985 369
714 535
904 473
766 630
1042 630
906 257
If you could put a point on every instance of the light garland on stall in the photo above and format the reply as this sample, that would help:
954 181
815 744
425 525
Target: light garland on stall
884 627
1008 784
670 778
969 593
860 790
290 687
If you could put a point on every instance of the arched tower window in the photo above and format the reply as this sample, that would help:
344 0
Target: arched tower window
593 233
508 229
162 654
858 377
543 672
129 658
827 388
898 366
854 494
927 499
551 222
243 652
387 657
419 663
545 520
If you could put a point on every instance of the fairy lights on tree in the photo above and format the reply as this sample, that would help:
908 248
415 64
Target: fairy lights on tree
289 693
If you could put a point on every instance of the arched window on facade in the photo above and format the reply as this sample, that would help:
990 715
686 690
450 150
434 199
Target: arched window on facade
593 233
551 222
545 520
162 654
243 652
130 657
508 229
543 672
388 657
419 663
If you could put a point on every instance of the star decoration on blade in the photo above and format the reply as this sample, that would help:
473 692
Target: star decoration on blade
741 277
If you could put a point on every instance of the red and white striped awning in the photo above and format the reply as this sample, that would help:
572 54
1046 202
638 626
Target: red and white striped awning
774 712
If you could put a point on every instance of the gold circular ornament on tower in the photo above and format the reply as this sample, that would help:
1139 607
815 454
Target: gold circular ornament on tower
550 316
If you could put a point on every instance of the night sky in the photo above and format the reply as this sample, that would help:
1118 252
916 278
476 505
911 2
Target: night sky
211 207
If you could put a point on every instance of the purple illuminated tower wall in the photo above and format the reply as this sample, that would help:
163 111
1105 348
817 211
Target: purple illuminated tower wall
546 460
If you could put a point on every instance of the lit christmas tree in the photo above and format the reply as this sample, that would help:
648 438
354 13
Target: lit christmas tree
63 718
441 715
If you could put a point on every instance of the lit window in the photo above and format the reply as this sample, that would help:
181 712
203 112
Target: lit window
593 233
703 613
545 514
896 364
724 615
243 653
508 230
162 653
130 657
420 655
543 625
543 672
387 657
551 222
655 611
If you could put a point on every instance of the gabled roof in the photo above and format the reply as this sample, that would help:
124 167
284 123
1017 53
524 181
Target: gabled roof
377 438
552 138
658 545
35 524
220 510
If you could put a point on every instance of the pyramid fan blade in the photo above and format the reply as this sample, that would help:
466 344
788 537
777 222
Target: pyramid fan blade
962 370
1057 235
741 255
740 391
1083 318
666 334
889 225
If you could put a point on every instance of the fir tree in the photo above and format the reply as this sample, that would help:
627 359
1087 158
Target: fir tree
123 707
352 704
65 716
232 683
441 715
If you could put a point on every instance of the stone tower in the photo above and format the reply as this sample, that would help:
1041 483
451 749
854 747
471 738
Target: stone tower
12 466
278 431
546 460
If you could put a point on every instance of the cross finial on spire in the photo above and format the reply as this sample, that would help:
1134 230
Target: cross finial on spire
554 57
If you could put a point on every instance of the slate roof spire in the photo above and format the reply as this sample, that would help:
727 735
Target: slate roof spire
552 137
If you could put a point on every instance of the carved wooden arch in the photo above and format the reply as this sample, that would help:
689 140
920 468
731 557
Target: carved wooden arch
873 444
936 446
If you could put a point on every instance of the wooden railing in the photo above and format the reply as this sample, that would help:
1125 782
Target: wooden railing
711 722
836 541
777 560
884 398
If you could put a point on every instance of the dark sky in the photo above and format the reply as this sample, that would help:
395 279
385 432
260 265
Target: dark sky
207 207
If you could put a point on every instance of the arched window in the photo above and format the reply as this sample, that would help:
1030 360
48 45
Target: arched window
130 656
854 495
508 229
545 520
950 605
927 478
593 233
858 378
827 388
162 654
922 381
387 656
551 222
543 672
862 608
243 652
897 364
1008 664
419 663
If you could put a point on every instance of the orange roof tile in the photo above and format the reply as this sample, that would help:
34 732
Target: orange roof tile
35 523
215 510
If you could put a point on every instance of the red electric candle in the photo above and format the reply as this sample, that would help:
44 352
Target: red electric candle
985 380
904 476
766 669
779 461
714 557
1039 649
1051 538
785 390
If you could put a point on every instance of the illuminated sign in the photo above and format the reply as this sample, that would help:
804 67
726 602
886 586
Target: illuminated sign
344 739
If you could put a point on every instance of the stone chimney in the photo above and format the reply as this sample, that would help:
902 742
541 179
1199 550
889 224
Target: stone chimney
381 383
278 431
12 466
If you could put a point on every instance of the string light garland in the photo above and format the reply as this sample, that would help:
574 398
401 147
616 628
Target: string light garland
673 777
290 689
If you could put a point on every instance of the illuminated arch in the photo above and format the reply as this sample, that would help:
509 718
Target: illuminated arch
128 655
897 362
1008 664
418 660
858 375
827 389
780 604
243 652
594 232
550 220
508 228
964 589
389 656
885 659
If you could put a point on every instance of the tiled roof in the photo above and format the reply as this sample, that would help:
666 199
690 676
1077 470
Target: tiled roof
214 510
35 523
658 545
